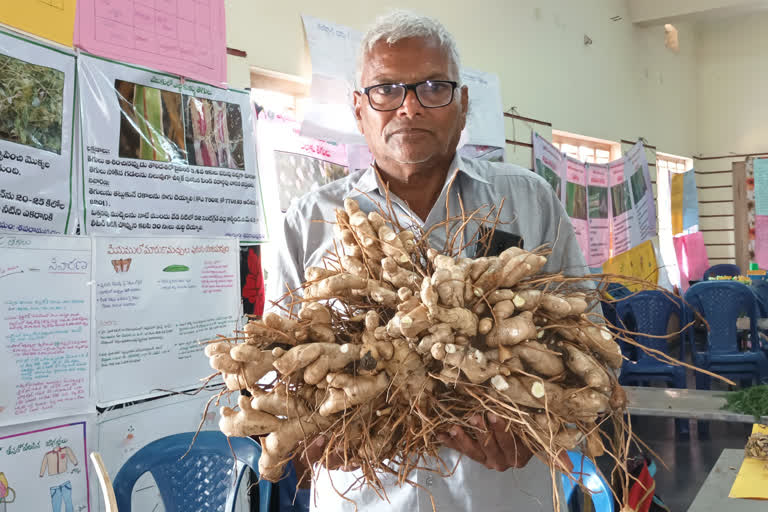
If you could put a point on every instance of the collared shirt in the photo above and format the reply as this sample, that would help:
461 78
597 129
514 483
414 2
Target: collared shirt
527 207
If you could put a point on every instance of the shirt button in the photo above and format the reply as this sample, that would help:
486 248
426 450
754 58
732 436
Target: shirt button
430 481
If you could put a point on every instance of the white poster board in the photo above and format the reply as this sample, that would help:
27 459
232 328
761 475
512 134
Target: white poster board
333 50
156 300
37 96
45 327
485 118
164 157
123 432
636 172
46 465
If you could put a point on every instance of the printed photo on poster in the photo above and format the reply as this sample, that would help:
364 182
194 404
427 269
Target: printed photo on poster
299 174
576 201
598 202
214 132
252 281
31 104
151 123
37 98
621 199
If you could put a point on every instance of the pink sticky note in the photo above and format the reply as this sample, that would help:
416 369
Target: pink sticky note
157 34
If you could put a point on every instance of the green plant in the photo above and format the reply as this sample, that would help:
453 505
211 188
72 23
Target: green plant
752 400
31 104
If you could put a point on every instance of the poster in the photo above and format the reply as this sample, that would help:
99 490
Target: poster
761 241
164 157
638 262
761 186
485 119
183 37
644 206
123 432
692 258
49 19
45 321
690 201
156 300
37 99
333 49
576 201
622 216
599 218
548 163
45 466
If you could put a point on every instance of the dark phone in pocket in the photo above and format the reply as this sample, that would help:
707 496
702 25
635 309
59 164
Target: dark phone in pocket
500 241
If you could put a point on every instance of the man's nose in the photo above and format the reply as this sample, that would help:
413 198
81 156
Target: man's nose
411 105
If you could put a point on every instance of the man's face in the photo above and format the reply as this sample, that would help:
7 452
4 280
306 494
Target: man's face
412 134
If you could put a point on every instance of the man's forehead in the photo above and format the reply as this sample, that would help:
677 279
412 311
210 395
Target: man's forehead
406 59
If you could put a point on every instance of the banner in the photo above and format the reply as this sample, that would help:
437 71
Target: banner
644 207
576 201
676 194
691 258
638 262
549 163
37 99
49 19
184 37
157 300
690 201
45 466
599 219
45 327
761 241
165 157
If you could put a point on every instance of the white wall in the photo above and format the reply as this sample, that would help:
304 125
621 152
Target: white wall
625 85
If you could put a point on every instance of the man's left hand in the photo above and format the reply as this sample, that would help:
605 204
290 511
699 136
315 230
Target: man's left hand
494 447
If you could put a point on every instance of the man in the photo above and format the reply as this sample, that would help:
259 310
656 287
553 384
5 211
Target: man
411 109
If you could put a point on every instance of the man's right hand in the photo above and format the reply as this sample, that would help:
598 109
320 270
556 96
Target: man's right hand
314 452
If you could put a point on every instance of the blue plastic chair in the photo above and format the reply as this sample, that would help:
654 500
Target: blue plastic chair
201 481
722 269
721 303
586 474
649 312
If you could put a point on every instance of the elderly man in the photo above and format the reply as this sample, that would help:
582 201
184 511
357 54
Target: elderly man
411 108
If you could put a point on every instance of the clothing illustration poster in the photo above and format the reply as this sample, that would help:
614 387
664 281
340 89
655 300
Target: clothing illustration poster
157 300
599 218
162 156
44 466
37 101
45 327
123 432
576 201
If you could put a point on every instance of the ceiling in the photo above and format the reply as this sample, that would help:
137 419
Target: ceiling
658 12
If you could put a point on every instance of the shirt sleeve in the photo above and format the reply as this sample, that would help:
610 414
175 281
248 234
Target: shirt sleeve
288 273
70 455
42 467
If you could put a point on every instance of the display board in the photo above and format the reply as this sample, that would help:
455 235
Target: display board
161 156
156 301
45 327
37 100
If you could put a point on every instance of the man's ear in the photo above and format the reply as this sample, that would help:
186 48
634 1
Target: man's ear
359 105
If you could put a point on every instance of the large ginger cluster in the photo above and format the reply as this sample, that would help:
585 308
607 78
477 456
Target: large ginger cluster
392 344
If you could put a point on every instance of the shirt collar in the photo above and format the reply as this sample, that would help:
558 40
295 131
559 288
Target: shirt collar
369 181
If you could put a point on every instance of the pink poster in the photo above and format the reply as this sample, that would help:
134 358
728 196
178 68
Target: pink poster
691 258
761 241
576 201
183 37
599 219
621 208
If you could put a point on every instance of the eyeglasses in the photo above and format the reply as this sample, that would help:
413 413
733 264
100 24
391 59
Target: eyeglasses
430 93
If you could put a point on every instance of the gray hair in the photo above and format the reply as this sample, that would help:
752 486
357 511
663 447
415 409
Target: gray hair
402 24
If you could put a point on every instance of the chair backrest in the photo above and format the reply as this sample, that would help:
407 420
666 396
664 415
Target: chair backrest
648 312
722 269
721 303
585 472
205 479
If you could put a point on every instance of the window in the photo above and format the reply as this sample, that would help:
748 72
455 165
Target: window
666 165
586 149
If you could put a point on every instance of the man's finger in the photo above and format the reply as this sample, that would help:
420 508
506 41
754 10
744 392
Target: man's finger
461 442
566 460
514 451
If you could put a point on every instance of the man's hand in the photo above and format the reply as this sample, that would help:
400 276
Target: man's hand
495 448
314 452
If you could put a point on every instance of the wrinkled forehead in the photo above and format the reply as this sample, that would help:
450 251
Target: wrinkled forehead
407 60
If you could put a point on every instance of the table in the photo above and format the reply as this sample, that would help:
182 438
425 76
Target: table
683 403
713 495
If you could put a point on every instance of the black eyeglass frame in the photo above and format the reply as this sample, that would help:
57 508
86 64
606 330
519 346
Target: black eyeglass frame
411 87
